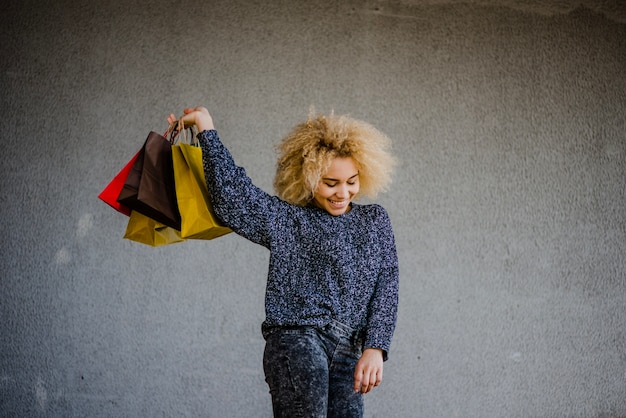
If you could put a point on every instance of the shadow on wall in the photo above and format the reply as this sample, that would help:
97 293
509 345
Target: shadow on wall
611 9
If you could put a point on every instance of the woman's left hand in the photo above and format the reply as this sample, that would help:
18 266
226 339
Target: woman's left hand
369 370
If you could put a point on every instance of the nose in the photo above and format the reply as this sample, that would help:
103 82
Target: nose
342 191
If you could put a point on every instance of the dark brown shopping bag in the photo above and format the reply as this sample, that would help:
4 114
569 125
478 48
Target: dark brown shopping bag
149 188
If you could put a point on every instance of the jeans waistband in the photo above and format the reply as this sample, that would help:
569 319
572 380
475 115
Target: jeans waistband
339 328
333 326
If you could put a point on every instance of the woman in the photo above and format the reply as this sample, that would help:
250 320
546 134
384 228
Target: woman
332 291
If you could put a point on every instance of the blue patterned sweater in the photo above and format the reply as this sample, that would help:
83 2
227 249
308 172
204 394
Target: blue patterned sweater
321 266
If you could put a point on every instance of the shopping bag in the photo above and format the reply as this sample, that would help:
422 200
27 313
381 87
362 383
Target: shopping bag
198 221
112 191
149 187
147 231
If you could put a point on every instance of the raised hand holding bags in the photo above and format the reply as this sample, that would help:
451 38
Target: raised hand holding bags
164 192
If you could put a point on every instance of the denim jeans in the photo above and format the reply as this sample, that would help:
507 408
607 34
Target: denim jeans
310 371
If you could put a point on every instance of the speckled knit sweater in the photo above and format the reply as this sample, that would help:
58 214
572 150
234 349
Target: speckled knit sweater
321 266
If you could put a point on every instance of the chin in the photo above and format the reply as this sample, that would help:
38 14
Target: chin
338 211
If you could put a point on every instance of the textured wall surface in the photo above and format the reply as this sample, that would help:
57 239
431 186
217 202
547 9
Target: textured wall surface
509 206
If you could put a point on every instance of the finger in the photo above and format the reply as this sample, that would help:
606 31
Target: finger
379 378
369 387
374 380
357 382
366 383
185 121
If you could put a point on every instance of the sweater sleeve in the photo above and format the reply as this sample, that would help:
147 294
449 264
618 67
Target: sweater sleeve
237 202
383 308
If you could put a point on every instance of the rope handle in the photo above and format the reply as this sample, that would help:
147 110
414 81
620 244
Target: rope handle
173 133
191 141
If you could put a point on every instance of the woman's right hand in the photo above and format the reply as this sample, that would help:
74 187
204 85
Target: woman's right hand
198 116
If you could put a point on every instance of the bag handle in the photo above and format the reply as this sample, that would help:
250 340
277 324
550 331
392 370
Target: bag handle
172 132
193 140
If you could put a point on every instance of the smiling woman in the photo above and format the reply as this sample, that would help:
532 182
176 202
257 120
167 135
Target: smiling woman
332 288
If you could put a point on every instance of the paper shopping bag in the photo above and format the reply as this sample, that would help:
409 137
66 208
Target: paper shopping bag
149 187
112 191
147 231
198 221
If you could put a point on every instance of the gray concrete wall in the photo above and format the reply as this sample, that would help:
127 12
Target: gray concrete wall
509 206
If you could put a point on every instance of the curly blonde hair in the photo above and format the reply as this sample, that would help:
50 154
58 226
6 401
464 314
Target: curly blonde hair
306 153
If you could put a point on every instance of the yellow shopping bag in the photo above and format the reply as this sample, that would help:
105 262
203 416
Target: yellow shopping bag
198 221
147 231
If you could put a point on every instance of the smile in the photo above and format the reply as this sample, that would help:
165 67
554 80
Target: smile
339 204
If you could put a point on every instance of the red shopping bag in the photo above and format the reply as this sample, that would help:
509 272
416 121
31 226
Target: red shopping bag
112 191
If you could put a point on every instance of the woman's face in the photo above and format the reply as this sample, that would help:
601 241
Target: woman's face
337 187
